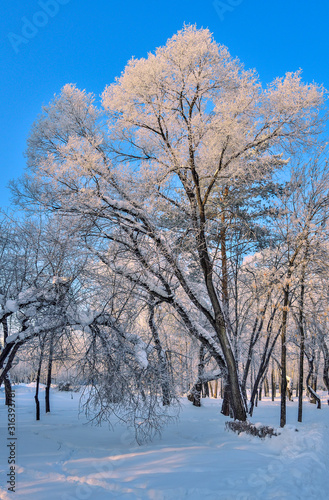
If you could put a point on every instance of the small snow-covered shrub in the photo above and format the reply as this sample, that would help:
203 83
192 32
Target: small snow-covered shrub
67 386
261 431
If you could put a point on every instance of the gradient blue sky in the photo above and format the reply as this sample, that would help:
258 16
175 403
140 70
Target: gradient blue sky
88 42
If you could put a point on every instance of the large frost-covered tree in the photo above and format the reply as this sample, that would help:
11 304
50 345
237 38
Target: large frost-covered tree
141 177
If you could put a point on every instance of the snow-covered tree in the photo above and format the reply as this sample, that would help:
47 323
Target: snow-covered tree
141 179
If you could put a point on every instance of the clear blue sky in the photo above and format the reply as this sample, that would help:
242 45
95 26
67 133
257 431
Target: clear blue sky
88 42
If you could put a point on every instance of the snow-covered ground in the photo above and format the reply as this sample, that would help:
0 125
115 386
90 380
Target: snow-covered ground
63 458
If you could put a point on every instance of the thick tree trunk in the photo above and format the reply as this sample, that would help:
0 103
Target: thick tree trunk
233 390
235 393
236 398
7 357
8 398
226 408
195 393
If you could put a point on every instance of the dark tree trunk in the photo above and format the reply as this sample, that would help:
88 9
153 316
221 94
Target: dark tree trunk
302 339
311 384
226 402
283 417
8 390
6 380
301 365
233 392
36 397
7 357
49 372
218 321
195 393
273 384
205 390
